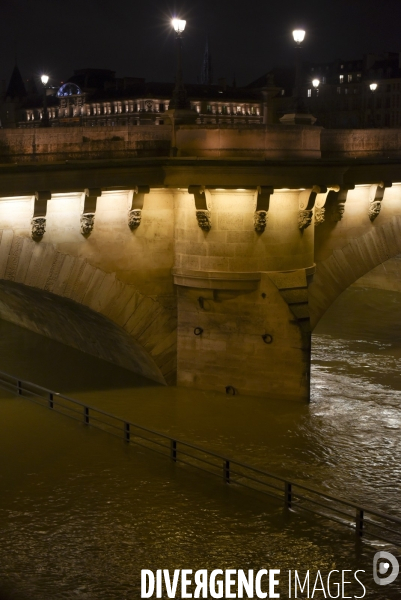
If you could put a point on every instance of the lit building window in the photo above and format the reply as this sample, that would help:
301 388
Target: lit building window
341 78
309 93
282 92
346 91
338 90
349 77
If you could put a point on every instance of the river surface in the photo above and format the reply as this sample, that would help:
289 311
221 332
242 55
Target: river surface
81 513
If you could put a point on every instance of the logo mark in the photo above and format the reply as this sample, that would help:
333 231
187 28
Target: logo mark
387 560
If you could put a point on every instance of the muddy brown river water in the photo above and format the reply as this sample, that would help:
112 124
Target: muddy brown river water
81 513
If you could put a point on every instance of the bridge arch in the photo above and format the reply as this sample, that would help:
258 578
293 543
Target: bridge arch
139 323
347 263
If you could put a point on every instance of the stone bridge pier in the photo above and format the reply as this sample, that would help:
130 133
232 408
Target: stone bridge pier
242 273
208 269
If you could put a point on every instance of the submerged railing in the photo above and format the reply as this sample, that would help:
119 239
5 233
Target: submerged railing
295 496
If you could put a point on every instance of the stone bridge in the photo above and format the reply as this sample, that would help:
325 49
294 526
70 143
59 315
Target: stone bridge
209 268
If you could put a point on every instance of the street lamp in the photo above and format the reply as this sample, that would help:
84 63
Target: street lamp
299 36
373 88
299 114
179 25
45 118
179 99
316 83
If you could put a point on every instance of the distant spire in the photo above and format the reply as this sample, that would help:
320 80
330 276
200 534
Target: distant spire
207 70
16 87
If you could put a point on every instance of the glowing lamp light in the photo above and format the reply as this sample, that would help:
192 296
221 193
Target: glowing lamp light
316 83
44 79
179 25
298 35
373 87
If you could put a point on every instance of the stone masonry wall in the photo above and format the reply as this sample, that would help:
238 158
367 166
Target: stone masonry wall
232 244
231 351
224 288
347 249
122 274
274 142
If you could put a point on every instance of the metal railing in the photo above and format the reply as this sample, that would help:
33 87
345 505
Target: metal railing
295 497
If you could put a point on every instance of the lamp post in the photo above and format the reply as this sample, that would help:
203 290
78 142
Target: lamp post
373 88
299 114
298 35
45 118
179 99
316 83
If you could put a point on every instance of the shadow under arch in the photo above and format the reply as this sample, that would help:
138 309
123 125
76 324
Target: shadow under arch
145 321
74 325
347 264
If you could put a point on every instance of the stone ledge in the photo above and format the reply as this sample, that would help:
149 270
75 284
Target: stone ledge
223 280
216 280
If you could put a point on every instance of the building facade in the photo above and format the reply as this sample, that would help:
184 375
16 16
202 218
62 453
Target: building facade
95 97
343 98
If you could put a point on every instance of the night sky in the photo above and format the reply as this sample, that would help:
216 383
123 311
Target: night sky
134 38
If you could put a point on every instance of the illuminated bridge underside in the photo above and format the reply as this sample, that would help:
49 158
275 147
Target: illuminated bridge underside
206 271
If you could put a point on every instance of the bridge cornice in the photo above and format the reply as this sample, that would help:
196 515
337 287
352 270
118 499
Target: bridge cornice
24 179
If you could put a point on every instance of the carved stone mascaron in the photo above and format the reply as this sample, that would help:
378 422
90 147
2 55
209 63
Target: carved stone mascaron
134 218
260 220
304 219
87 223
204 219
38 227
337 211
319 215
374 209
